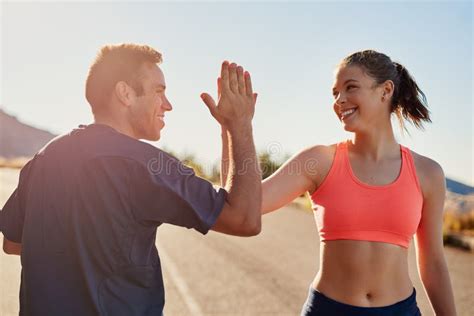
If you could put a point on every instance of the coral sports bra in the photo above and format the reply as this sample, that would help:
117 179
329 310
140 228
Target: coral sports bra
346 208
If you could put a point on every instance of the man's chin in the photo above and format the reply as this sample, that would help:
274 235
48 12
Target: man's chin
155 138
152 137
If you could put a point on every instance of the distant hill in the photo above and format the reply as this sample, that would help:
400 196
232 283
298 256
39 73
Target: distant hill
18 139
459 197
458 187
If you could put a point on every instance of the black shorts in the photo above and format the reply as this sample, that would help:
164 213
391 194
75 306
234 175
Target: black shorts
318 304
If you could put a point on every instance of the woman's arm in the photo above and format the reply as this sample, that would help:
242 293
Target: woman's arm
429 241
225 160
291 180
294 178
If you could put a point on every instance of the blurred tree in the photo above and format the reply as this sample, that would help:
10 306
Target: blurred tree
267 164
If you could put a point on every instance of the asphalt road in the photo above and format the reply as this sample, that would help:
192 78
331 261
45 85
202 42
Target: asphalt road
268 274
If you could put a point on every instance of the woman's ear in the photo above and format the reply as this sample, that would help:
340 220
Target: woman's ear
387 90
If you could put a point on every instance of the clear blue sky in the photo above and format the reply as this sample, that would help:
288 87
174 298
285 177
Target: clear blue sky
290 49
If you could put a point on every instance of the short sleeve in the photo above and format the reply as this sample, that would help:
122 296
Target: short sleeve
13 213
167 191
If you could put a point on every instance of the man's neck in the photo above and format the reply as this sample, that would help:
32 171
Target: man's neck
120 126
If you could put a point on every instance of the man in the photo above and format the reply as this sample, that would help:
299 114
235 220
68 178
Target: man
87 207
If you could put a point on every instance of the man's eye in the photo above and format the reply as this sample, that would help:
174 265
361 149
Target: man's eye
349 87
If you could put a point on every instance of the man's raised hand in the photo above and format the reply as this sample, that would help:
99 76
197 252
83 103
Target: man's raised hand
236 100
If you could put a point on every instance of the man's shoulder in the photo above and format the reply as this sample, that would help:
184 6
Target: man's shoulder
86 144
101 142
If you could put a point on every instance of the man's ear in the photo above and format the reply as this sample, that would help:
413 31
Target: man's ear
124 93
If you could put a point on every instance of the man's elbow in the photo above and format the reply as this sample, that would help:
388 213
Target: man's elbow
257 229
252 227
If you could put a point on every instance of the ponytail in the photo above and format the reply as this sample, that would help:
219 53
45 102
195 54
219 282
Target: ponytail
408 101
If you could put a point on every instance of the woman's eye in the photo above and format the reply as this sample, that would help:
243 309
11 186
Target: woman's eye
349 87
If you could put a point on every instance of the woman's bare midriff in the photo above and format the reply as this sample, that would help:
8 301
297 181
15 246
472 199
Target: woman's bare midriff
363 273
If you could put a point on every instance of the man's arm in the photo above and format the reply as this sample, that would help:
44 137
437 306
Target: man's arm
241 212
12 214
234 111
11 248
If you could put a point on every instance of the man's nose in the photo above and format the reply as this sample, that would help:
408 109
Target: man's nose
167 105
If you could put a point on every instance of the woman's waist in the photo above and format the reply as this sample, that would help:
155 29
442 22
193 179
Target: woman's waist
363 273
364 289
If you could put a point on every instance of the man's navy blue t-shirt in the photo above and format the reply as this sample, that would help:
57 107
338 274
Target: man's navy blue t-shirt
86 212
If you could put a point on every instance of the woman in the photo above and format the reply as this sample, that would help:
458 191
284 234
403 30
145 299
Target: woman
370 195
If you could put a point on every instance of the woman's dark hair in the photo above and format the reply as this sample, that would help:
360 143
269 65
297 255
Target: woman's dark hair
408 101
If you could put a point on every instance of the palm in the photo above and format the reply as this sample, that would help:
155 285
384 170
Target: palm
236 103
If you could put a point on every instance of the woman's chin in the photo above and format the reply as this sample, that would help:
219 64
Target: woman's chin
349 128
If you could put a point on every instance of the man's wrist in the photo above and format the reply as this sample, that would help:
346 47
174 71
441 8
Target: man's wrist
240 127
224 131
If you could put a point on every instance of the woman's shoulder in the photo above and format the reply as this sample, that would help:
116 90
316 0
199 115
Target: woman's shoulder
318 158
428 170
320 152
425 164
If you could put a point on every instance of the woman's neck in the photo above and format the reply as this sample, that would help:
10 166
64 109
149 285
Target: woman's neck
376 145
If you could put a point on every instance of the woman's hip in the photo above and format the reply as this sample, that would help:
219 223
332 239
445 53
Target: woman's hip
317 304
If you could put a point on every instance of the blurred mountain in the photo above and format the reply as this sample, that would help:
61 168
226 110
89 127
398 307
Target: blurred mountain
18 139
459 197
458 187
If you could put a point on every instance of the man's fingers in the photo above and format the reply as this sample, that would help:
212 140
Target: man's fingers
219 89
248 84
241 80
209 101
225 76
255 95
233 78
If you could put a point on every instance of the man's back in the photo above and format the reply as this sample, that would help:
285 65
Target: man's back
89 204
